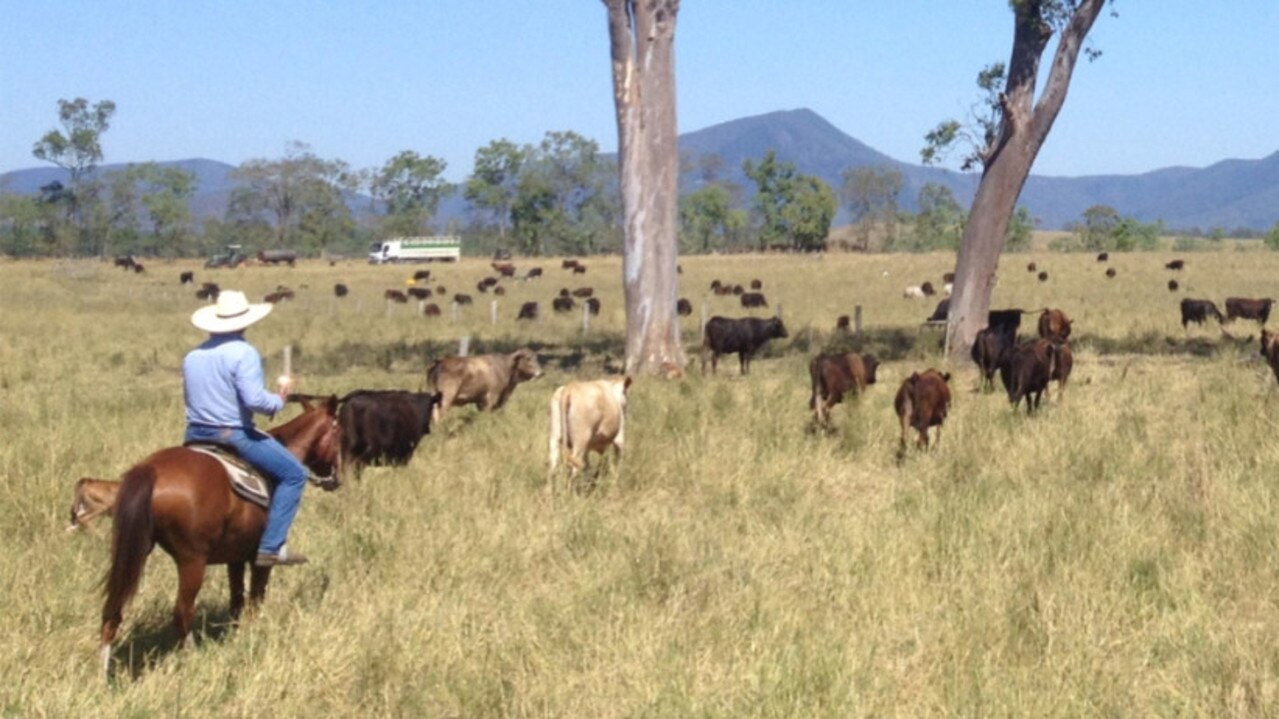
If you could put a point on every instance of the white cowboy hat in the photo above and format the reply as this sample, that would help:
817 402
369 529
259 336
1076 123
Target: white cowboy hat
231 313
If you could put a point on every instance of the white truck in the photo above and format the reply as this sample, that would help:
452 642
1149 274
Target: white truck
442 248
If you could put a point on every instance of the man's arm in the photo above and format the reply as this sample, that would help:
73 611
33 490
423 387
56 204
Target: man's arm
249 385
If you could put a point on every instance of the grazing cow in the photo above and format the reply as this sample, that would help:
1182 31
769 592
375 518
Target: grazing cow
842 323
431 310
138 268
593 305
1175 265
440 290
1031 267
499 291
579 269
186 278
462 299
568 264
208 291
91 499
586 417
753 299
1026 371
990 347
486 380
1103 257
533 272
1043 276
419 293
505 269
683 307
833 376
927 289
484 284
395 296
757 285
340 290
421 275
738 289
948 288
1172 285
1248 309
1110 272
1054 326
528 311
744 336
1269 350
565 293
382 426
948 277
722 290
583 292
563 304
715 285
922 401
941 313
125 263
1197 311
914 292
281 294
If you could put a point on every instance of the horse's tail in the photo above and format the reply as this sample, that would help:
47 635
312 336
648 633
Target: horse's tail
131 539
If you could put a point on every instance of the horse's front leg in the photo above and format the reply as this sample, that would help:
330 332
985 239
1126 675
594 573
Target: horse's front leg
258 578
235 575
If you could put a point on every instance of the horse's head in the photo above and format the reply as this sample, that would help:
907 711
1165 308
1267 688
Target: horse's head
315 437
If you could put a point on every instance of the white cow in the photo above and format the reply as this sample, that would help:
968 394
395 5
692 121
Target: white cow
913 292
586 416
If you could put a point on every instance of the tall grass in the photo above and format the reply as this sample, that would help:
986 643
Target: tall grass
1113 555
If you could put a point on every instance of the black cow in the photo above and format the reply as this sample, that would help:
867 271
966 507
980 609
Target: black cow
528 311
583 292
395 296
684 307
593 305
1026 371
422 275
186 278
1103 257
990 348
753 299
1110 272
462 299
208 291
1173 286
563 304
533 272
419 293
1175 265
1198 311
340 290
744 336
383 426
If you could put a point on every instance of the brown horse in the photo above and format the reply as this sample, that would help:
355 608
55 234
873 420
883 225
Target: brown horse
182 500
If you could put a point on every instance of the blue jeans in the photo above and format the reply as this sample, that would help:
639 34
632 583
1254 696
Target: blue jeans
271 458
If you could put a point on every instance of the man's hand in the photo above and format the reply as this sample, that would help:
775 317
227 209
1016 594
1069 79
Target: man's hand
286 386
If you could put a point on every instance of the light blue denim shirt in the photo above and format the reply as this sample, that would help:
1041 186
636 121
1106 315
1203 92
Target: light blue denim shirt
223 384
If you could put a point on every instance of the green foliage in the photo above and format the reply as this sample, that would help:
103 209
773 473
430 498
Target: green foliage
794 210
1272 238
979 133
566 199
939 225
1103 229
79 149
410 187
708 219
1019 234
871 195
494 183
296 186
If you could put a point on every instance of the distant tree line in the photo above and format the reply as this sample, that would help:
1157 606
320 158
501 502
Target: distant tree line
559 196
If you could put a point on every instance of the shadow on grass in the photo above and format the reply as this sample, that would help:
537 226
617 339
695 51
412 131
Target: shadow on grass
602 346
151 643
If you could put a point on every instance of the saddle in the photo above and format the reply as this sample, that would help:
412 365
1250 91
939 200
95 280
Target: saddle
246 482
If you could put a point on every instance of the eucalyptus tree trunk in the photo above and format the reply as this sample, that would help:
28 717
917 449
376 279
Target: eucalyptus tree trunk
1007 161
642 45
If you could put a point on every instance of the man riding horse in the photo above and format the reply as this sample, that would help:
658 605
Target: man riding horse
223 386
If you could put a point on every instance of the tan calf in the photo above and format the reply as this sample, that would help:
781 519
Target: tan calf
92 499
586 416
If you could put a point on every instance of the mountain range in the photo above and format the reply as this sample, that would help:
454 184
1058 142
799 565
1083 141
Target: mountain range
1229 194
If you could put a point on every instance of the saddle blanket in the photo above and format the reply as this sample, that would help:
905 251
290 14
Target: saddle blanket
245 480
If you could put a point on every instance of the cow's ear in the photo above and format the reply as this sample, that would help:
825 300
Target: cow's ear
945 376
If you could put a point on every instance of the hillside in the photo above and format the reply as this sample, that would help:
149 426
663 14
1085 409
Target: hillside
1228 194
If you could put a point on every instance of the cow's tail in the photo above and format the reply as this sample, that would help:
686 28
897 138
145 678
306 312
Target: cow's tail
818 389
131 540
559 432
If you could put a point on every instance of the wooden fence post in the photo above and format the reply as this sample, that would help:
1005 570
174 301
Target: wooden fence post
857 320
464 346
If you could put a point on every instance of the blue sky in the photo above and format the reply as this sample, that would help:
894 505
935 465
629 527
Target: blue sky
1180 82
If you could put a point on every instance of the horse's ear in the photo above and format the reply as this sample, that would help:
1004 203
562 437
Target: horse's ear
331 404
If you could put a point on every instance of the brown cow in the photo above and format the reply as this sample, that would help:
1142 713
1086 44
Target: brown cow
1043 276
1065 362
1054 326
431 310
1173 286
563 304
990 347
1176 265
186 278
683 307
583 292
753 299
528 311
340 290
395 296
462 299
593 305
421 275
419 293
505 269
92 498
757 284
1269 350
833 376
486 380
1248 309
1110 272
585 417
922 401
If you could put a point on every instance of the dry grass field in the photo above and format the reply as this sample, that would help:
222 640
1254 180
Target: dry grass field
1114 555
